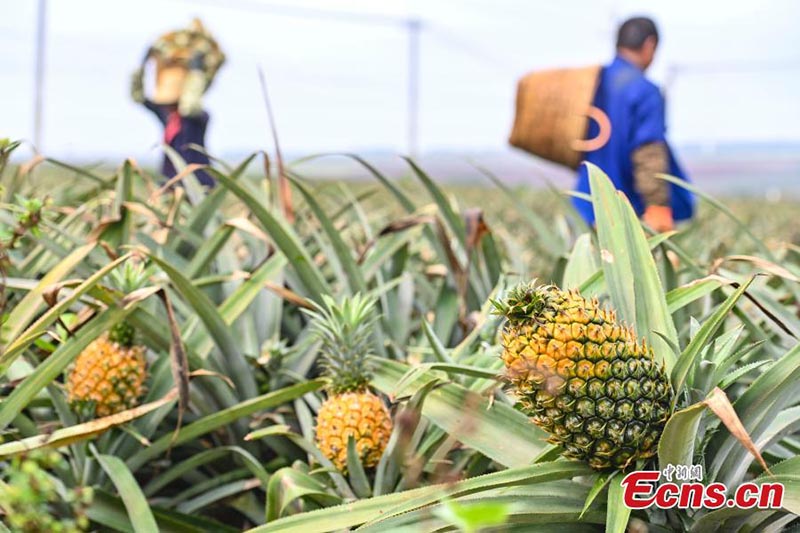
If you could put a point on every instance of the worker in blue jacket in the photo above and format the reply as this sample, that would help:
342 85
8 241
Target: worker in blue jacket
637 149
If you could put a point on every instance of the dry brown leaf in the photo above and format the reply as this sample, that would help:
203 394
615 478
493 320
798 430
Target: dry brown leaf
26 167
288 295
172 181
179 362
65 436
436 271
138 295
766 266
284 187
719 403
146 212
404 223
202 372
243 224
177 199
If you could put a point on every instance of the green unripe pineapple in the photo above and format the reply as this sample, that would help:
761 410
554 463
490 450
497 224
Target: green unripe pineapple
583 377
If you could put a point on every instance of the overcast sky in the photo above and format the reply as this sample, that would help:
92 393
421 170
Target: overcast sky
732 69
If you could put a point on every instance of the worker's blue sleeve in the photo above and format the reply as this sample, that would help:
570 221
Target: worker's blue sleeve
648 124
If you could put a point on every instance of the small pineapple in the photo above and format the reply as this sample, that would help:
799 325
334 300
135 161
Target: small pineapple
351 410
109 374
583 377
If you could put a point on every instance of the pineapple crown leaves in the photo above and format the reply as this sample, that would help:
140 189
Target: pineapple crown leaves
130 276
344 329
123 334
525 302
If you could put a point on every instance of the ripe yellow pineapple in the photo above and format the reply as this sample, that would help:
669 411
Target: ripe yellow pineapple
583 377
109 374
351 410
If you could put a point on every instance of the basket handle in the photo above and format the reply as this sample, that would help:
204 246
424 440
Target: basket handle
600 140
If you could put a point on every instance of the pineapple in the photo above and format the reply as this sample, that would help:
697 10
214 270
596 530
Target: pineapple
109 374
583 377
351 410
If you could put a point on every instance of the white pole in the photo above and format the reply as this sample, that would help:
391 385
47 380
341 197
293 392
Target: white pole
38 102
414 27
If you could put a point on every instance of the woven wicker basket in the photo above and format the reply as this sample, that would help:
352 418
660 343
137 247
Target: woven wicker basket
552 116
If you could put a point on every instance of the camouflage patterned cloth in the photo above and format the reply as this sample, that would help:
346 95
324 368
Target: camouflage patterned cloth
649 160
193 49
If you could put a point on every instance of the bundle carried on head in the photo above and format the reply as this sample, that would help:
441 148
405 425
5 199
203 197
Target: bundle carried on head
187 61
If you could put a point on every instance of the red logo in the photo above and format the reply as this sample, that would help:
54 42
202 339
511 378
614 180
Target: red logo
641 490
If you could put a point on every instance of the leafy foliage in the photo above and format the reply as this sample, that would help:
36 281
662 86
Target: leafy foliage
32 502
224 439
344 330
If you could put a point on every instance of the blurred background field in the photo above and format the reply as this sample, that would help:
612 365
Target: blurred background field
432 79
767 211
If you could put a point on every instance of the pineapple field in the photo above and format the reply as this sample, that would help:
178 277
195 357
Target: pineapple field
284 354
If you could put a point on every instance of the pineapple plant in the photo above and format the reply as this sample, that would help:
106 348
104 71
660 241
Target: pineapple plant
351 409
33 501
462 456
109 374
582 376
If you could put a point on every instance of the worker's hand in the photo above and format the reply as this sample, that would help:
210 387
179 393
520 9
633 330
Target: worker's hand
137 86
190 103
659 217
